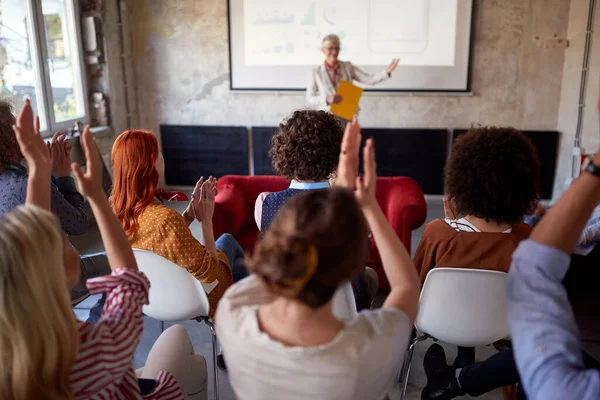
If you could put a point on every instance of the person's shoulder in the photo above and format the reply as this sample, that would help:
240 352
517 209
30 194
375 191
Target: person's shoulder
521 230
159 218
240 299
381 322
439 229
8 176
247 292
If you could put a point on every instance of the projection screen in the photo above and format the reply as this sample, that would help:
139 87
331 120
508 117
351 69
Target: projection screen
274 45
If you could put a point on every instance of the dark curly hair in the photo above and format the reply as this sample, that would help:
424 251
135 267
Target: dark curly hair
493 173
307 146
9 147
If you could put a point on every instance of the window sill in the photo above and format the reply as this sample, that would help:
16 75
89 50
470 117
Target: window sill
99 132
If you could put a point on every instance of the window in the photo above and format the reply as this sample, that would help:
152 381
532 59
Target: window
41 59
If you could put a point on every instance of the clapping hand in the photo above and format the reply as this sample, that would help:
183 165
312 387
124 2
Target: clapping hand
392 66
35 151
60 149
90 182
203 199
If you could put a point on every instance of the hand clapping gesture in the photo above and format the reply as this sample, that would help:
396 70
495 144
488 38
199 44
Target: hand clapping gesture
203 199
60 148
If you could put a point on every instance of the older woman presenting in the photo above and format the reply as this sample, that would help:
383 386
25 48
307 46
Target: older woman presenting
326 77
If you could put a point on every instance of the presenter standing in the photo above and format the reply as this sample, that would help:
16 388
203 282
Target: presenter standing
325 78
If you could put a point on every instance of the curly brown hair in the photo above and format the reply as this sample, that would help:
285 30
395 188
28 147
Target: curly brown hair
307 146
493 173
9 147
329 222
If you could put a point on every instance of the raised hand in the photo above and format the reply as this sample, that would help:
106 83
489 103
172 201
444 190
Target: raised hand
347 170
365 185
90 182
39 161
392 66
60 149
33 148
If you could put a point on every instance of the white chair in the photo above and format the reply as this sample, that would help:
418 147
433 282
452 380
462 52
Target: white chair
175 295
461 307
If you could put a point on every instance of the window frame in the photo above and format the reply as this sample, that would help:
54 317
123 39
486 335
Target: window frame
37 35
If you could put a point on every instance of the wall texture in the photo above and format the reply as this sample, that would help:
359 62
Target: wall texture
180 59
567 115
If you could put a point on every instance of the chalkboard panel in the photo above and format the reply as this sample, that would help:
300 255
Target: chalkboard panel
417 153
261 144
546 143
194 151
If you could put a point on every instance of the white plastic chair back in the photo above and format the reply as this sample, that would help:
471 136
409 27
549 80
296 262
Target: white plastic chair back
344 305
464 307
175 295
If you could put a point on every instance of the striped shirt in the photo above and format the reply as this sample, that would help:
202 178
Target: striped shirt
103 367
462 225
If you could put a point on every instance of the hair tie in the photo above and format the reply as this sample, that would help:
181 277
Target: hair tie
312 260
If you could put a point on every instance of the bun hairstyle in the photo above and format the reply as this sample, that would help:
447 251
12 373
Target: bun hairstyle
317 241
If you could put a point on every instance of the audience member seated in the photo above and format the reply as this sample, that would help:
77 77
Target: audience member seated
46 352
138 166
545 337
66 202
279 335
306 150
492 179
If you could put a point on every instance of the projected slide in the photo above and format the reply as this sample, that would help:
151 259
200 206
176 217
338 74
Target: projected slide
276 44
289 32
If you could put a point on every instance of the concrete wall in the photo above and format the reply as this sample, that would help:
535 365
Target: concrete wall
181 68
181 61
567 115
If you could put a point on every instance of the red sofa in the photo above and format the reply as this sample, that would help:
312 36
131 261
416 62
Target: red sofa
400 198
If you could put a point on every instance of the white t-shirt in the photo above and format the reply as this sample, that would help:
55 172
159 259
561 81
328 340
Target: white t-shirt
360 363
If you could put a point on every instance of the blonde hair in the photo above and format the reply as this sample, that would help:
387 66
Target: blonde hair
332 38
38 333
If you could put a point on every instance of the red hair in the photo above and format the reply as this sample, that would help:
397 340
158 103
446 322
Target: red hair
135 177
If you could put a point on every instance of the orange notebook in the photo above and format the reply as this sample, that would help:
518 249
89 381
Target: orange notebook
348 107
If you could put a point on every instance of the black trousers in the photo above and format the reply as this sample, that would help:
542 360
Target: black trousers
500 370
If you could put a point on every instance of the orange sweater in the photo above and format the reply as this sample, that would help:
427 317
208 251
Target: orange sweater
163 231
443 246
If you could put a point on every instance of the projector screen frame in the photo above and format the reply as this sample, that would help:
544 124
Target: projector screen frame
368 90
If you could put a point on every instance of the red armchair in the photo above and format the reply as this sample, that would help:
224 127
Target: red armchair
400 198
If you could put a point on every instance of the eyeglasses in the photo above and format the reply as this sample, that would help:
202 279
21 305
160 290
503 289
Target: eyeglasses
332 49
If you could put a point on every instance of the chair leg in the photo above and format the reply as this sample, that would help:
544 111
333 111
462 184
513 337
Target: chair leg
215 368
405 371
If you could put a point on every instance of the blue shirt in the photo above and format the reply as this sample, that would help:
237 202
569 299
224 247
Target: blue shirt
66 202
545 336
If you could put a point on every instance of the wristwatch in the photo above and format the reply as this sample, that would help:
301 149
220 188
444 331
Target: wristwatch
591 168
